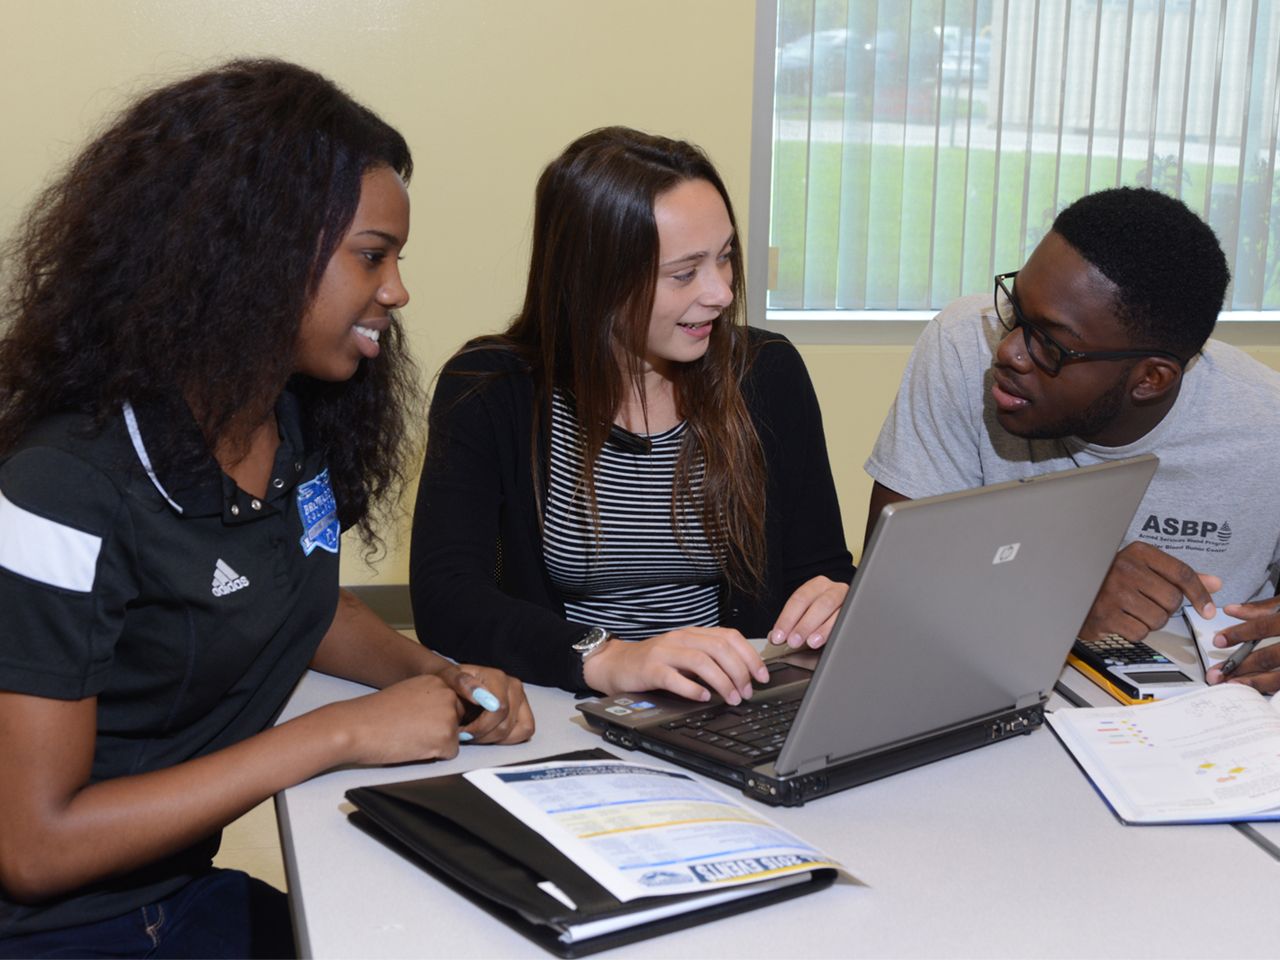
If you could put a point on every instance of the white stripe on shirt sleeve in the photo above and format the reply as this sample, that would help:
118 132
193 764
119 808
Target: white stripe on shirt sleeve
45 550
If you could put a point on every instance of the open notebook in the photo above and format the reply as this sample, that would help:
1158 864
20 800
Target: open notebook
1207 756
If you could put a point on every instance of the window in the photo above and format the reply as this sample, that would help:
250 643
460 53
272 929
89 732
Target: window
920 146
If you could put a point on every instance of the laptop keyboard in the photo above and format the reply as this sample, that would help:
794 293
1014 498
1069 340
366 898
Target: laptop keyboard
754 730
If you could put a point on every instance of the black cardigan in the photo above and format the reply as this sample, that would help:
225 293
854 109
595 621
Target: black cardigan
479 585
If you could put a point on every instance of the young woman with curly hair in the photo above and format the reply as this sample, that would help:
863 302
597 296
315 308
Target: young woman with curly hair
629 481
202 384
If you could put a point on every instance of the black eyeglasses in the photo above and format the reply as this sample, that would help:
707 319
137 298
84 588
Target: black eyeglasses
1047 353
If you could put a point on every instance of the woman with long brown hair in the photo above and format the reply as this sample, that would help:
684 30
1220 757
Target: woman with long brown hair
628 461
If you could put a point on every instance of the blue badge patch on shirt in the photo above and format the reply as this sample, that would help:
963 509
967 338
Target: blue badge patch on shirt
319 512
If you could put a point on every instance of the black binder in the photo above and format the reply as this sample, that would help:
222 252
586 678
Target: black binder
471 843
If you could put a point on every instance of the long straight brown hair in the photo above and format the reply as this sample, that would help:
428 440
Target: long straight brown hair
592 276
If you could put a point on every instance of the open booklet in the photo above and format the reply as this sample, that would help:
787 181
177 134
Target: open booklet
1209 756
584 851
1205 630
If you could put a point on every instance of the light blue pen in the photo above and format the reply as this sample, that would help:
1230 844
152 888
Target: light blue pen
486 699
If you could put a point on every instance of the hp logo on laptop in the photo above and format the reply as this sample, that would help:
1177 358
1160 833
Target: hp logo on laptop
1006 553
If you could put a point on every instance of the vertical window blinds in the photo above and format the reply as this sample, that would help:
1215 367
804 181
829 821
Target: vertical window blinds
921 146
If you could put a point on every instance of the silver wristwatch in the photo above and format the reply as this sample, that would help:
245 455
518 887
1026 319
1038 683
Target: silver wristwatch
591 641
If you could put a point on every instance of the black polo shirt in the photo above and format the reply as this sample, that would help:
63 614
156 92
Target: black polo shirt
187 607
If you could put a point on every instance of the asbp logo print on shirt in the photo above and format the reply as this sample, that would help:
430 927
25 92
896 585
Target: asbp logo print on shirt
1210 536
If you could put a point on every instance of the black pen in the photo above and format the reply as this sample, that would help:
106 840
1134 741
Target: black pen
1229 665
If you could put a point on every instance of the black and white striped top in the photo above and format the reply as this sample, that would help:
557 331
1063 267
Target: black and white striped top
637 581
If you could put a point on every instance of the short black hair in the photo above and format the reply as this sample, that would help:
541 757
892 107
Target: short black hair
1166 262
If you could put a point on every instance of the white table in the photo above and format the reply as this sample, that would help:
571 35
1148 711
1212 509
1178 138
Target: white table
1005 851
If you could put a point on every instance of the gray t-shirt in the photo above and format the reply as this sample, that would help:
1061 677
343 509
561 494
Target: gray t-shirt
1212 502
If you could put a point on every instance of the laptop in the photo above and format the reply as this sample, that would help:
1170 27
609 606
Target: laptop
951 637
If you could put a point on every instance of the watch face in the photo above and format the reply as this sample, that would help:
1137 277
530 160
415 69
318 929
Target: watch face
591 639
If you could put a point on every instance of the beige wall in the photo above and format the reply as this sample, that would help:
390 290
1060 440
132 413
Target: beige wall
486 91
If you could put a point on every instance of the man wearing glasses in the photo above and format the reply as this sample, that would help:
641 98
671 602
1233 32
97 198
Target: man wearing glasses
1096 350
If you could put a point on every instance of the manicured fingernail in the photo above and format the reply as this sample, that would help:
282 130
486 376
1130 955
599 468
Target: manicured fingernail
463 736
486 699
795 640
815 640
1219 640
763 674
777 637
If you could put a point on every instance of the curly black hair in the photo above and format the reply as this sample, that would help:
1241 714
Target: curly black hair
1166 262
173 261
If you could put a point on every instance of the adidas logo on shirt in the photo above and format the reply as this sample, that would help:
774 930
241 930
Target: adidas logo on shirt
226 580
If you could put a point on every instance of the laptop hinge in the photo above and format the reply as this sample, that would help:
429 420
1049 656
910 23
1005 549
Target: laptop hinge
815 764
810 766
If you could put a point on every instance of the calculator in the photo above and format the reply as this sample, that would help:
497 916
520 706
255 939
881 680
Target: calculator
1135 668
